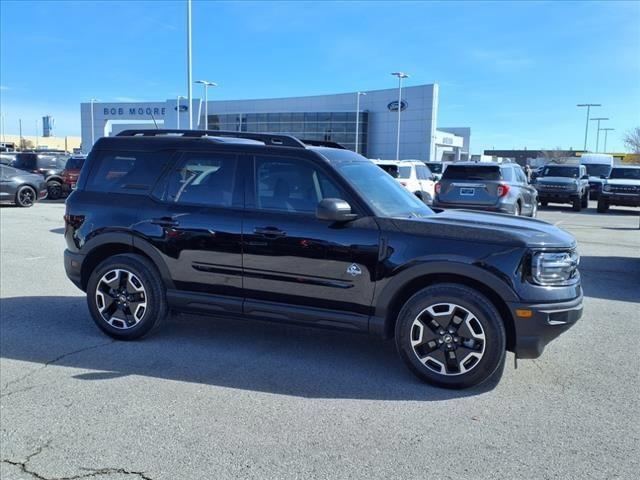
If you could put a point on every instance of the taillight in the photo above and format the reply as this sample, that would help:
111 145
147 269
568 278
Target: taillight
438 187
503 189
74 221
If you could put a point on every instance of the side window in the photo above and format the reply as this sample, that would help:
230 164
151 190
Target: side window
520 175
291 185
507 174
203 179
126 172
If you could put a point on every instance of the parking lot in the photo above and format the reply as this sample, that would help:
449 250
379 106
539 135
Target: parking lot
219 399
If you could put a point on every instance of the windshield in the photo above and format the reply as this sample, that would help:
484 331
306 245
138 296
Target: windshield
569 172
435 167
471 172
74 163
626 173
404 172
597 169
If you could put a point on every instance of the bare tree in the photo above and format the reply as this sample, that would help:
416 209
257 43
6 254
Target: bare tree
632 140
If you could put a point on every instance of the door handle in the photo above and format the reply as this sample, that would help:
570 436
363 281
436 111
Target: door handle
165 221
269 232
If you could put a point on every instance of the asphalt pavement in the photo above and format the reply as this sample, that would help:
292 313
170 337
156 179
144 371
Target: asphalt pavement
220 399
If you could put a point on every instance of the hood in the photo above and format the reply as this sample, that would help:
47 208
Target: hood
595 179
563 180
623 181
484 227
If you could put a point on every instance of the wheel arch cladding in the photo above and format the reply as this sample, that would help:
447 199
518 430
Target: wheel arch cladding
418 283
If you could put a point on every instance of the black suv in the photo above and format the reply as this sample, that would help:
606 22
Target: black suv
563 184
622 187
274 228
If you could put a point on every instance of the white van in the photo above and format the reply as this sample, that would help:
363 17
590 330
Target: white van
598 167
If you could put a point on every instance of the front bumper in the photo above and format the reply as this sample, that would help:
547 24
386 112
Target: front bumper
547 322
73 267
500 208
622 199
559 197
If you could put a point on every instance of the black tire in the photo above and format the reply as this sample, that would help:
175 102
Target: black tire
534 209
585 200
26 196
544 204
577 204
517 209
492 357
155 309
603 205
54 190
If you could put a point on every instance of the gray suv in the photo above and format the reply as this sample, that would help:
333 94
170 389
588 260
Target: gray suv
486 186
564 184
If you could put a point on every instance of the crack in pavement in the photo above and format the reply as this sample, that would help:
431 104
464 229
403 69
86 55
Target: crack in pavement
46 364
93 472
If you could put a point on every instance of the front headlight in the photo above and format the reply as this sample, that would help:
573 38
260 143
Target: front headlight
606 187
554 268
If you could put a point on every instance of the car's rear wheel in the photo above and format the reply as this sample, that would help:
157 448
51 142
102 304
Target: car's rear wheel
25 196
54 190
603 205
517 209
534 209
126 297
451 336
577 204
544 204
585 200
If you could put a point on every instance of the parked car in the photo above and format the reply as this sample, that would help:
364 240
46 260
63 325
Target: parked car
262 226
486 186
7 158
564 184
622 187
48 165
21 188
71 172
598 167
413 175
437 169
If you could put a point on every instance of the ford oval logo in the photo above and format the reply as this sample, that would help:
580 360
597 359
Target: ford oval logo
393 106
183 108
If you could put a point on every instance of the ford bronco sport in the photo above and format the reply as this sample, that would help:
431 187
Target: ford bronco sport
274 228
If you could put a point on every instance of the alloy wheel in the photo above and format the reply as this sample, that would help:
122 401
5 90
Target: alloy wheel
26 197
448 339
121 299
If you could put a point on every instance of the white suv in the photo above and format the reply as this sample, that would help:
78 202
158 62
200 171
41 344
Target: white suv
413 175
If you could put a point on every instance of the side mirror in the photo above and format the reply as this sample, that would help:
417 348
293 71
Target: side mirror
334 210
603 177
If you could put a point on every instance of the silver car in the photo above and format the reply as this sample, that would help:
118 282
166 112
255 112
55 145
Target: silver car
20 187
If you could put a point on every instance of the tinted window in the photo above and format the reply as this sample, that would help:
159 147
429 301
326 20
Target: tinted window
507 174
404 172
557 171
75 163
627 173
471 172
26 161
126 172
291 185
203 179
390 169
597 170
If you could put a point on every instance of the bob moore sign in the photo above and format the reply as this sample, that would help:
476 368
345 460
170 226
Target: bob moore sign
133 111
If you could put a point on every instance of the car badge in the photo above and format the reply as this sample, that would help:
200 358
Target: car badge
354 270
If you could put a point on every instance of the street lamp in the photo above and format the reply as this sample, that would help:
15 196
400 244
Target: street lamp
91 102
358 95
206 84
180 97
400 76
586 128
189 76
606 131
598 119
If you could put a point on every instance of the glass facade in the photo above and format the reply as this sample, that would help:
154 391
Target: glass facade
337 127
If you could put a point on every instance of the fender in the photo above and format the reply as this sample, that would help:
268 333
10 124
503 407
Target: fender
432 267
57 178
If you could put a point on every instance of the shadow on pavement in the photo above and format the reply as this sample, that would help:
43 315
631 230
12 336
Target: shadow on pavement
57 230
611 278
248 355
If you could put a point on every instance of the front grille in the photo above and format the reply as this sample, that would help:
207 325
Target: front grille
624 189
555 186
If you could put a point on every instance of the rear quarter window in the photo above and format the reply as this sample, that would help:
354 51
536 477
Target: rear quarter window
126 172
471 172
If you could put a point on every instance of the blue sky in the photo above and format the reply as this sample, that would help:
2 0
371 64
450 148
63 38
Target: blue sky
513 72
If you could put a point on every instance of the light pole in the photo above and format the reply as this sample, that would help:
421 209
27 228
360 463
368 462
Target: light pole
36 134
586 128
598 119
180 97
400 76
21 143
91 102
189 78
606 131
206 84
358 95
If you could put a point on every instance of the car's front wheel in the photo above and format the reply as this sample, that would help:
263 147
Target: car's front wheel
585 200
603 205
451 336
25 196
54 190
126 297
577 204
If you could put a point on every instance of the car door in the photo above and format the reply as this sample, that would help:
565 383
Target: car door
297 267
194 222
529 193
5 183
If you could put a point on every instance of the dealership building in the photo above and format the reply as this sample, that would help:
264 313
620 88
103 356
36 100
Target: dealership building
322 117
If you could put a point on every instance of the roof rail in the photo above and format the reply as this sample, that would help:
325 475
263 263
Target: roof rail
323 143
267 138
